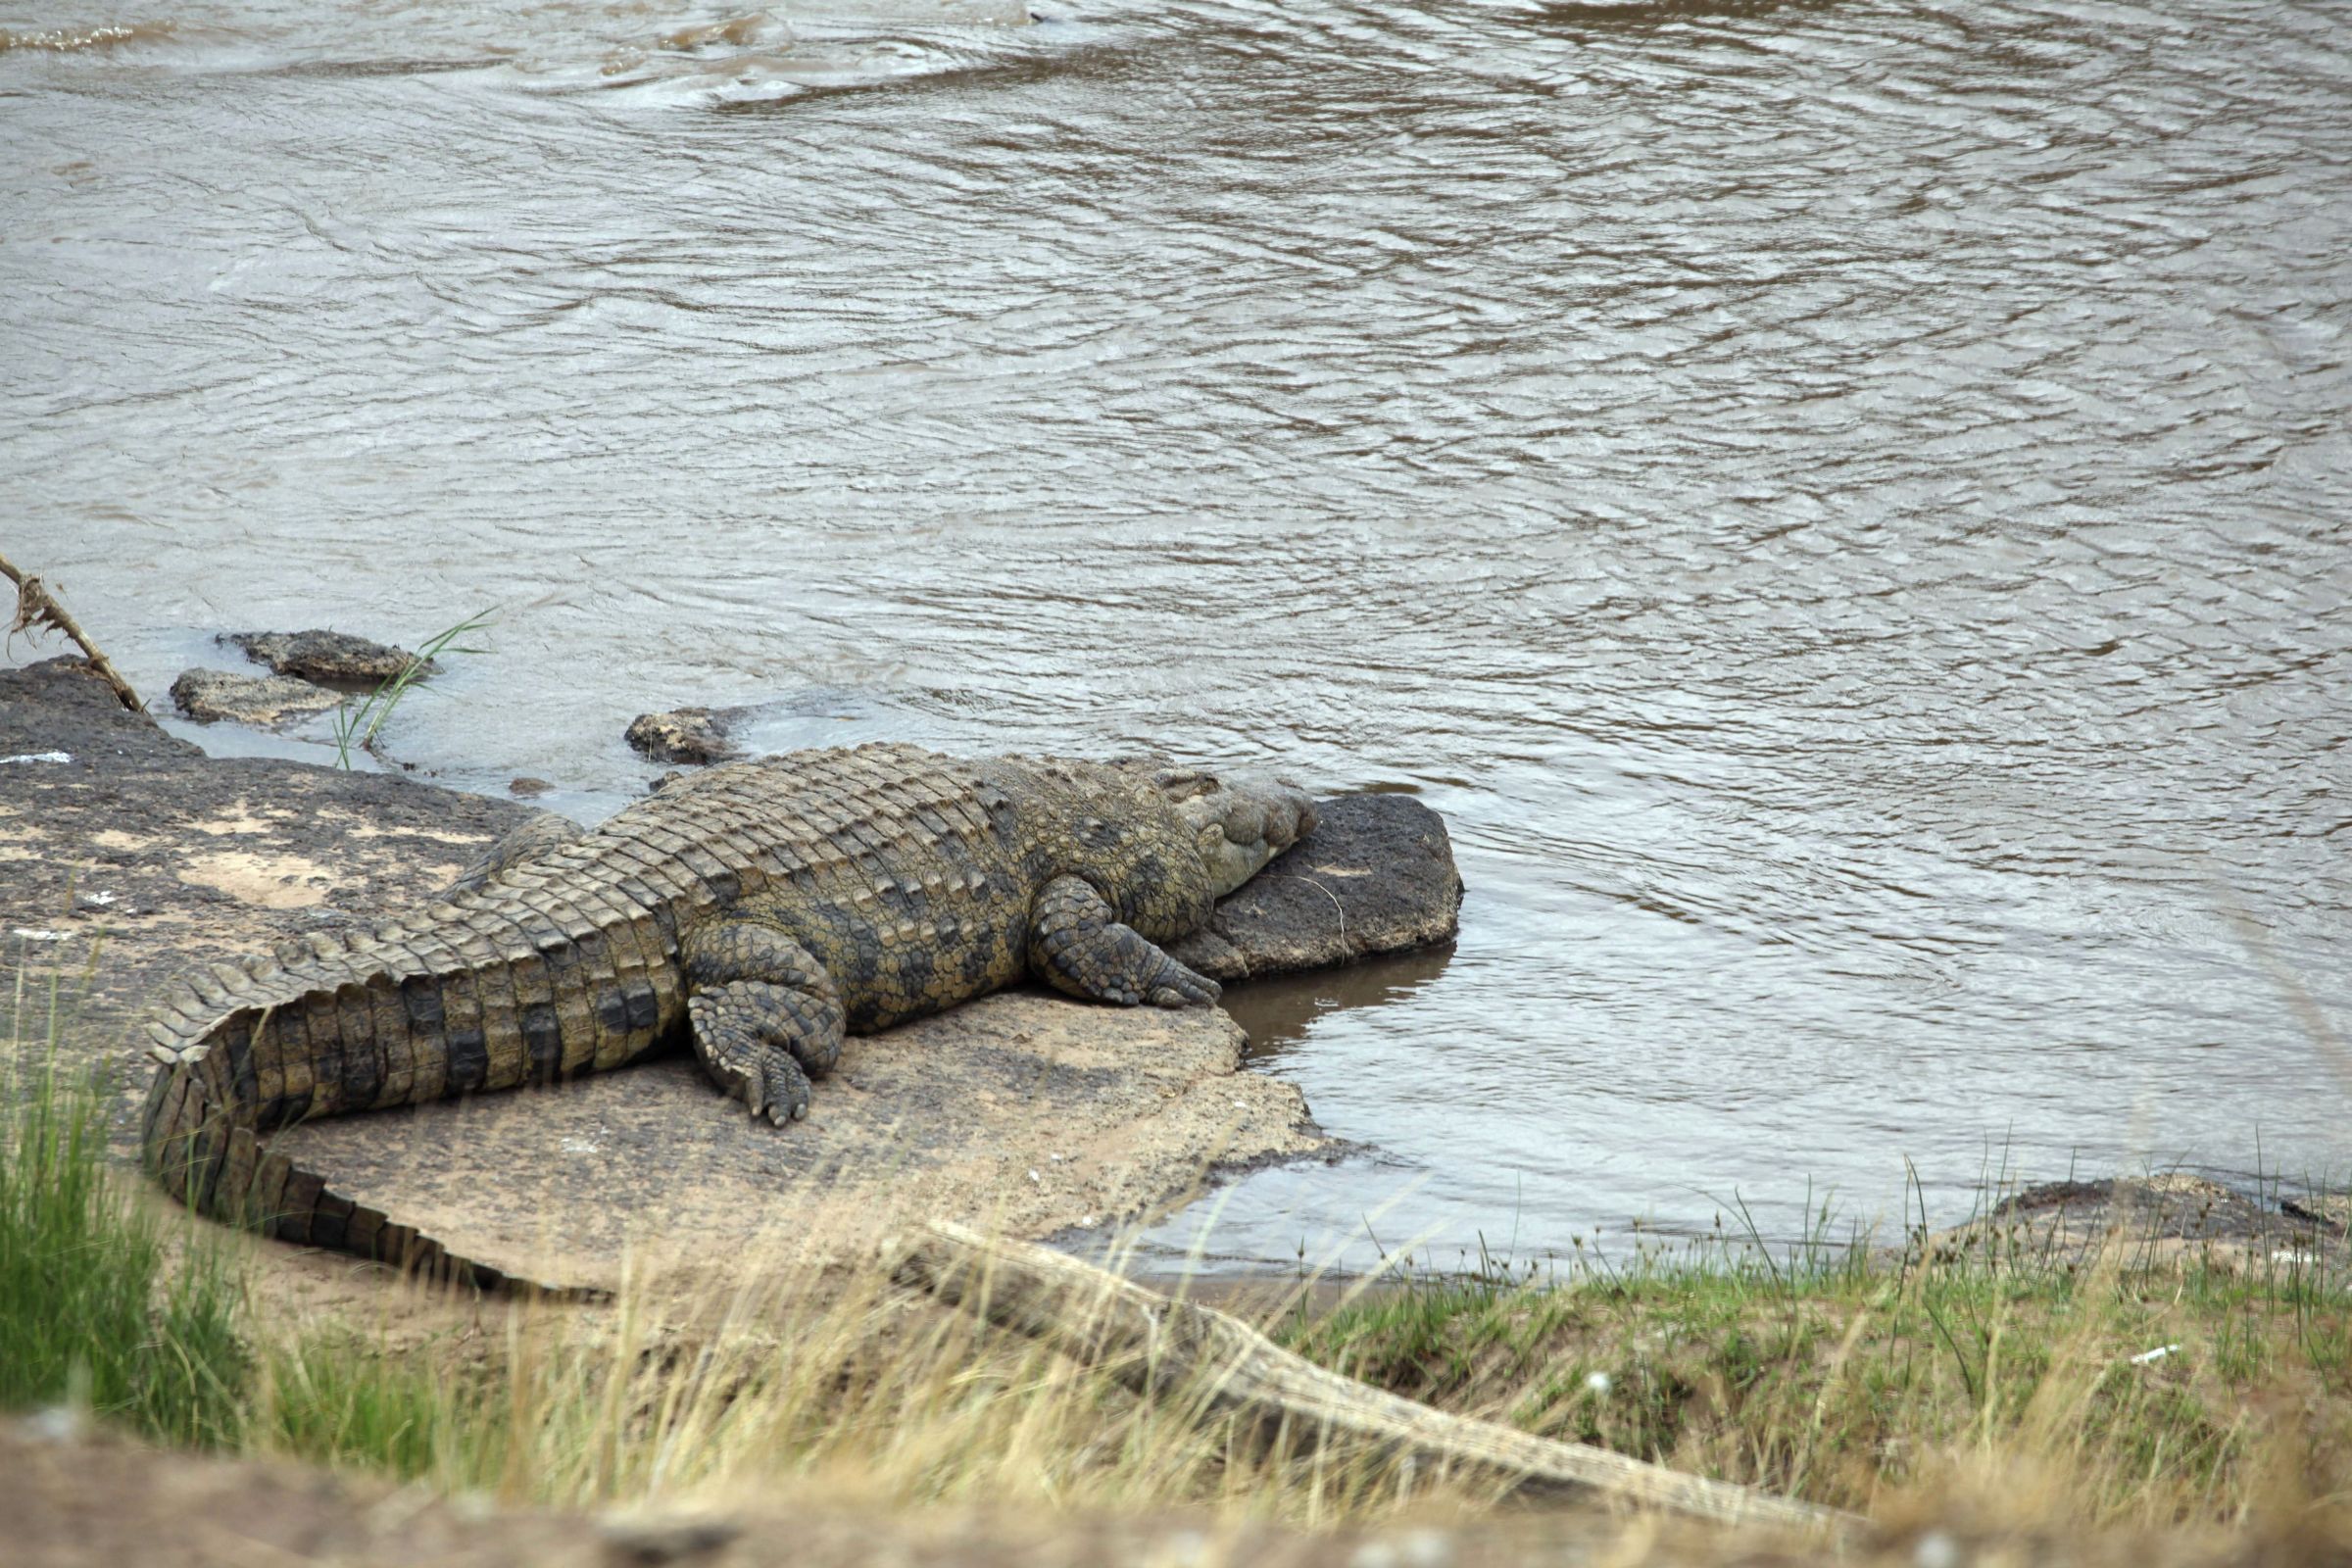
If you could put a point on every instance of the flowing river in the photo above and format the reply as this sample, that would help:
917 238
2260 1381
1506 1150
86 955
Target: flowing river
1844 507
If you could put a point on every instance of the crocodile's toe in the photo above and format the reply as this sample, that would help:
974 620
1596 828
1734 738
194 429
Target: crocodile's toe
783 1093
1180 986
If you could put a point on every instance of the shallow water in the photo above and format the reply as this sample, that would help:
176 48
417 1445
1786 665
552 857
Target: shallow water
1844 508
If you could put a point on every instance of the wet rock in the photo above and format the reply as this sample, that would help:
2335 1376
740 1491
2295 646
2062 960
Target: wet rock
693 735
2155 1220
216 695
1376 875
527 787
331 657
2331 1210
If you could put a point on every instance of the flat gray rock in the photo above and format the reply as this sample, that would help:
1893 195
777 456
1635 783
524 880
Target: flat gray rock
120 839
1024 1112
1376 875
332 658
219 696
2158 1220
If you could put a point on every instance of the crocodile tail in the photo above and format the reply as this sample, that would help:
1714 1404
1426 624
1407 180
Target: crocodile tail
242 1050
202 1144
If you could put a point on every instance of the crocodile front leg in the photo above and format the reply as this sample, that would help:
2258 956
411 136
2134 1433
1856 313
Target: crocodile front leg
765 1012
1077 944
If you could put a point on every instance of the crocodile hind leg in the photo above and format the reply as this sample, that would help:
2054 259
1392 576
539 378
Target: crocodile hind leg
1077 944
765 1014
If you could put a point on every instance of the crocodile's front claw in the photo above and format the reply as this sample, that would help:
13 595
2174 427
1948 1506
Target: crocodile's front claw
736 1030
782 1092
1077 944
1180 986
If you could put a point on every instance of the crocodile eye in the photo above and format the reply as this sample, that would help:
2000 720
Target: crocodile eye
1184 783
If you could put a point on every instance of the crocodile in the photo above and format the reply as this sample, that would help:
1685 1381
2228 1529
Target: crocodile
761 909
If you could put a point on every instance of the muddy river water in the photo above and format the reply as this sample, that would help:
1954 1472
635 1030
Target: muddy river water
1845 507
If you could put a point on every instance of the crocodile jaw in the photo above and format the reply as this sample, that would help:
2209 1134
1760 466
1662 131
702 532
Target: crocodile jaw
1244 822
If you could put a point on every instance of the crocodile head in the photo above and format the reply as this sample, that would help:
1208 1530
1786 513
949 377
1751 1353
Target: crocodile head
1240 822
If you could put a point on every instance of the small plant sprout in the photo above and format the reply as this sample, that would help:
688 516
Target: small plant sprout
359 726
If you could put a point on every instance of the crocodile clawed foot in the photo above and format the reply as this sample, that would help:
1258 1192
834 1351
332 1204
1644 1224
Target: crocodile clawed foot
1182 988
735 1034
778 1090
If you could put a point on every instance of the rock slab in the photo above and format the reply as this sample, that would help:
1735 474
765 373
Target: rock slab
1376 875
119 839
1023 1112
2163 1218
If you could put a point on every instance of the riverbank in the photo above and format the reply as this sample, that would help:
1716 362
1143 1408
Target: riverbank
1971 1410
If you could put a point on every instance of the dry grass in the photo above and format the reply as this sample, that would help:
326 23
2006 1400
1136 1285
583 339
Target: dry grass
1905 1391
833 1383
1869 1383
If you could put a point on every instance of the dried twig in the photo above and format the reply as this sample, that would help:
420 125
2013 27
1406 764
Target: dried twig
38 610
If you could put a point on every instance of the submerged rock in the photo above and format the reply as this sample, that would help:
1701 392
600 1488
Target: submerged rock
215 695
1376 875
333 657
693 735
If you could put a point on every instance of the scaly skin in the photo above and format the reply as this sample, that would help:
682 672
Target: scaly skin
765 909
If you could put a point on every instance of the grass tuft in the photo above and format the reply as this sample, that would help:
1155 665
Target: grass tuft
359 726
1849 1379
99 1311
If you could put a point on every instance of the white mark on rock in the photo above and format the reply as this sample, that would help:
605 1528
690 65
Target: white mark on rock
578 1146
2157 1354
1426 1548
32 935
99 899
37 757
1185 1549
